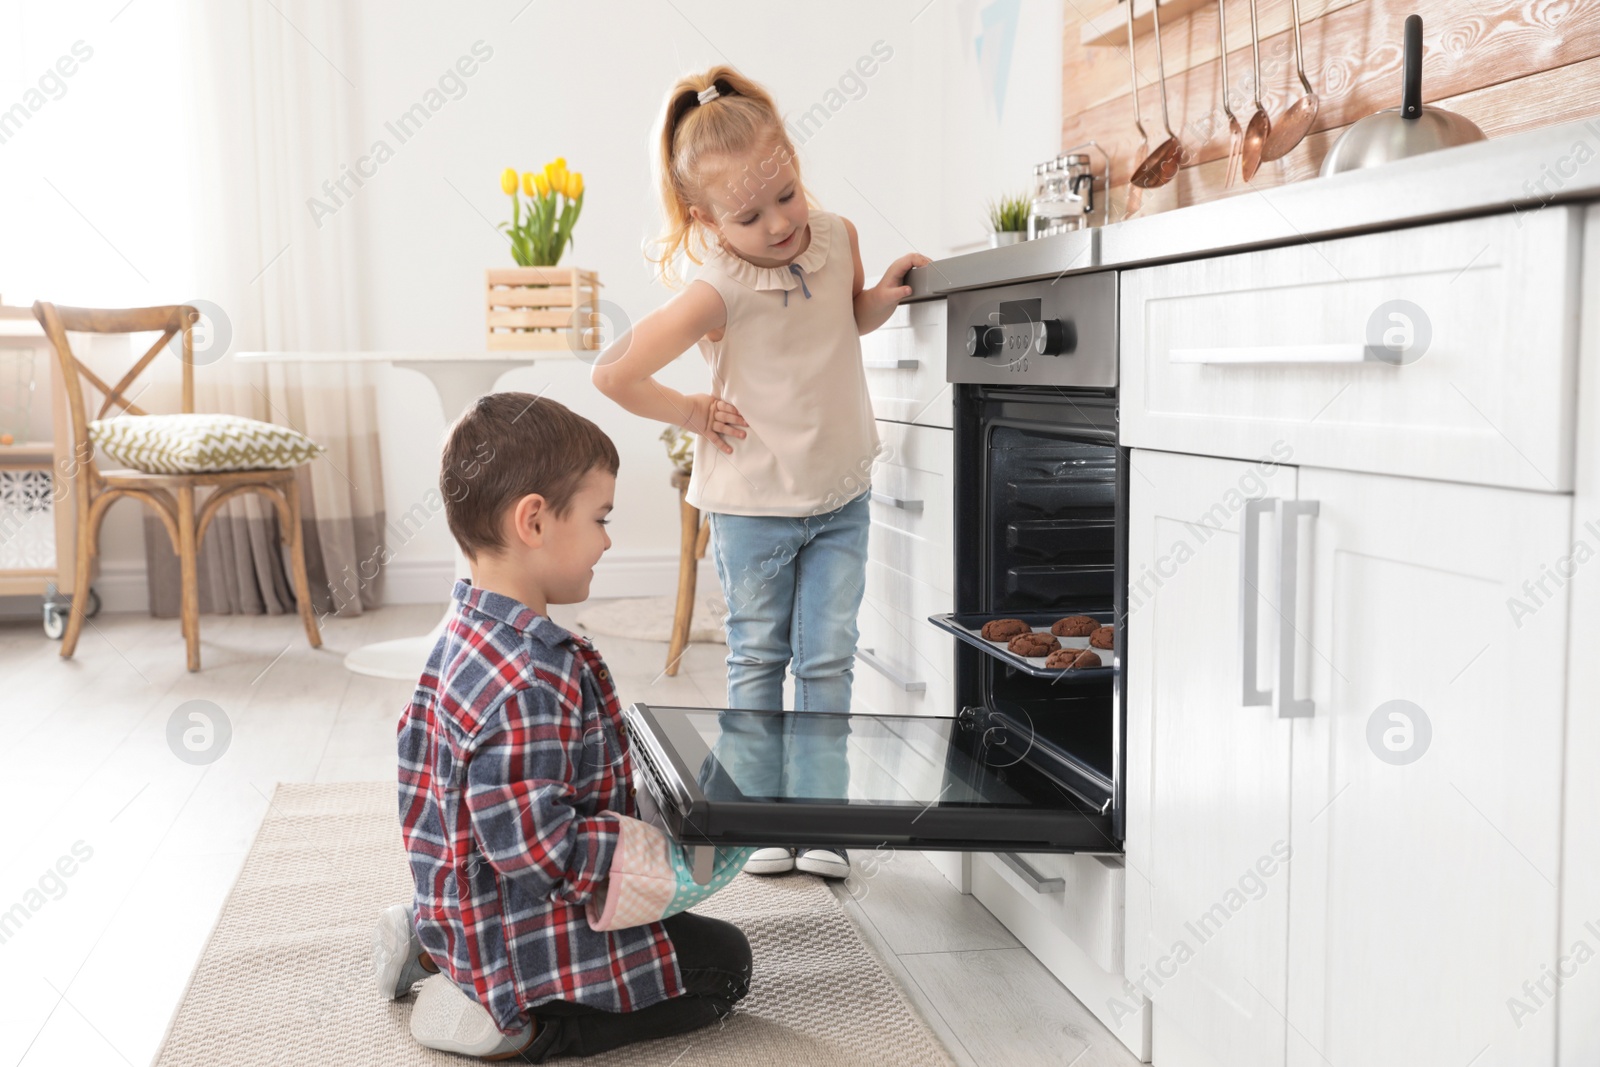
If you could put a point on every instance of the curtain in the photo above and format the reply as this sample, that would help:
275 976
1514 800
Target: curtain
271 121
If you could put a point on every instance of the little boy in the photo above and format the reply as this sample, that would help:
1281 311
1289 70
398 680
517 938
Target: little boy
539 894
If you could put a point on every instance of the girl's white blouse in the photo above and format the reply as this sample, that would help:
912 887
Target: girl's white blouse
790 361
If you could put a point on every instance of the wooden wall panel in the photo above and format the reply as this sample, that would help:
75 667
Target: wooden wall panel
1506 65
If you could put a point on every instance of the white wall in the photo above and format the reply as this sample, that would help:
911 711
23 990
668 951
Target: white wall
911 160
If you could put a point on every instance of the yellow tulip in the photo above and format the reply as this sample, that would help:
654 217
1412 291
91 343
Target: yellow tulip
527 183
561 161
556 171
575 185
541 183
508 181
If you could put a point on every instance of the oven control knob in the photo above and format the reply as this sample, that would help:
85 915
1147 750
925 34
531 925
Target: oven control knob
984 340
1054 338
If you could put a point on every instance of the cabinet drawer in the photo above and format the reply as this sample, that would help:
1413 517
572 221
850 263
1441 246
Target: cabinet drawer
905 363
902 668
1278 353
1087 905
912 518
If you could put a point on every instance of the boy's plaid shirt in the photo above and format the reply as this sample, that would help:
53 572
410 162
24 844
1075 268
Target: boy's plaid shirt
511 748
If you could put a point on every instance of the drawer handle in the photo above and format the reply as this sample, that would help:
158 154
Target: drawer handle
1287 354
1289 512
891 364
1250 598
896 502
910 685
1037 882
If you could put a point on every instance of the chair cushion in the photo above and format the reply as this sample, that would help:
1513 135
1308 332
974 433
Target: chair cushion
192 444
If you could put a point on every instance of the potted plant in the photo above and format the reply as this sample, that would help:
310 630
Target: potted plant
537 304
1008 220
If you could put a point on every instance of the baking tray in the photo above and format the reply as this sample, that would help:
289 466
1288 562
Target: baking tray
969 627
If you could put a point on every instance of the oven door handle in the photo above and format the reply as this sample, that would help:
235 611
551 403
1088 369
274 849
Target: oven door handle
1289 513
910 685
1250 599
896 502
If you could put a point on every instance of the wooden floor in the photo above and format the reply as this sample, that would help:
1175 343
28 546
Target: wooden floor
118 854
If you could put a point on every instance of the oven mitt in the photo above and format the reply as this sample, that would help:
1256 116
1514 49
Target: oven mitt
650 878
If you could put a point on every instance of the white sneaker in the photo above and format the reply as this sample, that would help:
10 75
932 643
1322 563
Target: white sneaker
824 862
770 861
447 1019
396 953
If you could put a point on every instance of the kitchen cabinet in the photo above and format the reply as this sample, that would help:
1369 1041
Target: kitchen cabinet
1427 833
1208 776
905 362
1286 347
1351 854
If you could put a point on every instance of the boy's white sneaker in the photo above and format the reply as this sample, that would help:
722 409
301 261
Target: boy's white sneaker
397 953
448 1020
770 861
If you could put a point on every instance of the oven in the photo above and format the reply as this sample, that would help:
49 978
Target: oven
1033 760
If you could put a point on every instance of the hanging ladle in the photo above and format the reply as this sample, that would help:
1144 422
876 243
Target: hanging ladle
1235 131
1159 166
1293 125
1259 126
1135 194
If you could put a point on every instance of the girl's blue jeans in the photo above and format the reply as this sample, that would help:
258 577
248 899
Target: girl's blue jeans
794 587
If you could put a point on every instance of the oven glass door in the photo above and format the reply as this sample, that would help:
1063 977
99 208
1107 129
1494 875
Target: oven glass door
762 778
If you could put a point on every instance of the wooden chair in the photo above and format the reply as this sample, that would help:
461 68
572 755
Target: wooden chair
695 533
171 495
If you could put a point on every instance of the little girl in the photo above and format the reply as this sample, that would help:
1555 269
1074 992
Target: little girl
786 441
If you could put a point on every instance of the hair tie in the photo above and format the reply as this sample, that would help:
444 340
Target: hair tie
708 94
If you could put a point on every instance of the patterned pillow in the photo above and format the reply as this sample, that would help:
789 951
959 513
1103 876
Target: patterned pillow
194 444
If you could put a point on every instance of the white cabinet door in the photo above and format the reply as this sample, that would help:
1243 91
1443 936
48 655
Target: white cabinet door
1207 775
1427 779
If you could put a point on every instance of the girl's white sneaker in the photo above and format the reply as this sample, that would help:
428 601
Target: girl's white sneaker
770 861
396 953
824 862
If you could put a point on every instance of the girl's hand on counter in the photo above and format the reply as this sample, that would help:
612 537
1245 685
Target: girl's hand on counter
874 306
716 419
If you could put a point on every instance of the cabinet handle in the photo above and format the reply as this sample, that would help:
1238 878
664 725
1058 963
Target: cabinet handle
891 364
1289 513
1250 599
1037 882
896 502
1283 354
910 685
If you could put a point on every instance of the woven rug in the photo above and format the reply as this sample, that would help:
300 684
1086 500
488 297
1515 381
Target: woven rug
649 618
284 977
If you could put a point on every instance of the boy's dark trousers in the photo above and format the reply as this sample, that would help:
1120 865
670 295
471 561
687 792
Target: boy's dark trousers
714 959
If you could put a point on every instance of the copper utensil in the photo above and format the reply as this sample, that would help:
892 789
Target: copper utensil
1160 166
1135 194
1259 126
1235 131
1293 125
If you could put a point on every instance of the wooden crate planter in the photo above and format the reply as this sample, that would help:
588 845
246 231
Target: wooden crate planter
543 308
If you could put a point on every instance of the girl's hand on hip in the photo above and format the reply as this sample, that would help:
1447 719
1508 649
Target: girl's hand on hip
716 419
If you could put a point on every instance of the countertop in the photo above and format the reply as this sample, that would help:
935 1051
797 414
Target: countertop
1522 172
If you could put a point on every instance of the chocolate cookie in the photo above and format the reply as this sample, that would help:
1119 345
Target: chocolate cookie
1032 644
1004 629
1075 626
1102 637
1071 658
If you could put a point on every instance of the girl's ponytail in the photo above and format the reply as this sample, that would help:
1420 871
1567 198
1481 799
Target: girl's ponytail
740 117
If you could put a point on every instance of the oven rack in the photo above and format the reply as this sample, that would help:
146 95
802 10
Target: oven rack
969 628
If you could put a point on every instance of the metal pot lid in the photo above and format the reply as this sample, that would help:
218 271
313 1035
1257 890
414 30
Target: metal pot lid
1408 130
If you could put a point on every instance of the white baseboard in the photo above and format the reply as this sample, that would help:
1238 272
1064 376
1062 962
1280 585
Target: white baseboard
618 575
124 587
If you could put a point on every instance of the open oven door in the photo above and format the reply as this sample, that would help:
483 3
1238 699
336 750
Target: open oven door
817 779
